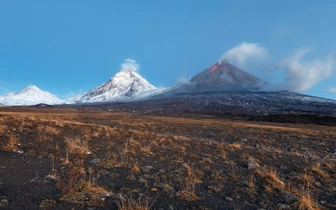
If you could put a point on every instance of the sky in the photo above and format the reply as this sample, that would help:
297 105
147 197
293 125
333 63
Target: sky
68 47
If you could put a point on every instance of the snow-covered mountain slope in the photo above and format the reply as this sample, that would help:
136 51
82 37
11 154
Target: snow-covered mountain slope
220 77
123 86
31 95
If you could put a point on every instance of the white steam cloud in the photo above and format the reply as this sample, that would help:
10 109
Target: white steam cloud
300 76
183 80
130 65
331 89
240 54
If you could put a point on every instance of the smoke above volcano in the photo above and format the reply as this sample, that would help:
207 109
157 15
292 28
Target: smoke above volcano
130 65
302 75
241 53
299 74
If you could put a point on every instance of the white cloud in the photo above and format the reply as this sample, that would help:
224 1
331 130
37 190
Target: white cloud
182 80
130 65
240 54
331 89
302 75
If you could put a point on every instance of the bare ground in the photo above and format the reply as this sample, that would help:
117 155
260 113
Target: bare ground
64 159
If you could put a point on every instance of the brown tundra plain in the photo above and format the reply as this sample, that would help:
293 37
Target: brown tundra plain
73 159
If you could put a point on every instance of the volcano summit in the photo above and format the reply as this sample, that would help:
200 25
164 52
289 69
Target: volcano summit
123 86
220 77
226 77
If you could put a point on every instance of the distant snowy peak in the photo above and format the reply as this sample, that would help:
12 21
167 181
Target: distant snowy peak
122 86
31 88
129 82
31 95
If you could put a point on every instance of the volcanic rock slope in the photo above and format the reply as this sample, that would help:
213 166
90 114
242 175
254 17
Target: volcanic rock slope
226 77
220 77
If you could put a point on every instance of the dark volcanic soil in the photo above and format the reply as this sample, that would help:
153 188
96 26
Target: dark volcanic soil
64 159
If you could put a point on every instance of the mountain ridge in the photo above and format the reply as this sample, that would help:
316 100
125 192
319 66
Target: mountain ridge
222 86
219 103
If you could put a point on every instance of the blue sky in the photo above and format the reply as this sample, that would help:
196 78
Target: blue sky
69 47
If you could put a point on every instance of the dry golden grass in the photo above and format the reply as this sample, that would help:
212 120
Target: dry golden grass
268 189
222 154
12 143
43 138
53 174
135 168
126 148
129 149
76 184
70 183
134 143
318 169
91 188
3 127
48 130
127 203
251 182
305 201
234 146
181 138
272 178
190 172
48 204
146 149
77 146
188 191
306 179
180 148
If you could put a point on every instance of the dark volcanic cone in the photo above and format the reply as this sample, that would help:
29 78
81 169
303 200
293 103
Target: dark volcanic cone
220 77
225 77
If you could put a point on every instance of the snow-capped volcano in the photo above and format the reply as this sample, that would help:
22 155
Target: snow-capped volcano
124 85
31 95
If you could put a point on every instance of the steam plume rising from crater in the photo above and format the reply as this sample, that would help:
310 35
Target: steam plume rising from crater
239 54
130 65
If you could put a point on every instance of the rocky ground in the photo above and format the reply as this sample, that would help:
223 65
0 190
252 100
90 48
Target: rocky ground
75 159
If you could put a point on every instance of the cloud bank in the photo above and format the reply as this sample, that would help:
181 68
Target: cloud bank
130 65
302 75
241 53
